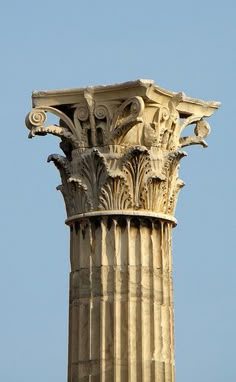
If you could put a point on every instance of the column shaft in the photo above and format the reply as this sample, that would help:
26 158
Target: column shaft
121 303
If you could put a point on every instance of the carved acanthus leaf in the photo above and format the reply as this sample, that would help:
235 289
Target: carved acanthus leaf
152 195
178 184
136 166
73 190
93 171
62 164
115 194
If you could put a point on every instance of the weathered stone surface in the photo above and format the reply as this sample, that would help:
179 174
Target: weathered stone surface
123 145
121 299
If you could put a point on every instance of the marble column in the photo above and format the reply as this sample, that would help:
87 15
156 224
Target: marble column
123 145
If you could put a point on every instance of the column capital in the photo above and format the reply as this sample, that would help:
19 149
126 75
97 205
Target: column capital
122 144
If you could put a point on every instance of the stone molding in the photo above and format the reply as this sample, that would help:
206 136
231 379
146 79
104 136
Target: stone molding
122 144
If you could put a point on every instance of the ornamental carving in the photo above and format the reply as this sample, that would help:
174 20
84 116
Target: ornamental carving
122 144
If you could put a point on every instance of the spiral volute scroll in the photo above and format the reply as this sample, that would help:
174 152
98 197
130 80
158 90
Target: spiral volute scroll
101 112
136 104
164 114
82 112
35 118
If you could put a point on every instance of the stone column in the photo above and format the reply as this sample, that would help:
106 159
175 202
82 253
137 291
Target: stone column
123 145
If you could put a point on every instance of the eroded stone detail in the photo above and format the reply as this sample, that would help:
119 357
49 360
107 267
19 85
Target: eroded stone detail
122 152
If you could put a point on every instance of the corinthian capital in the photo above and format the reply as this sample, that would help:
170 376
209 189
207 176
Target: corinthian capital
122 144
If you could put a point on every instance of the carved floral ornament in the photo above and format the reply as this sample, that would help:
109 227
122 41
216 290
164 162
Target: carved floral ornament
122 144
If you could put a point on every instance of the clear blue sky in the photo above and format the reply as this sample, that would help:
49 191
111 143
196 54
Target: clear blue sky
182 45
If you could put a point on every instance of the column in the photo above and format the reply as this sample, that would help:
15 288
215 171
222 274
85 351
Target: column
123 145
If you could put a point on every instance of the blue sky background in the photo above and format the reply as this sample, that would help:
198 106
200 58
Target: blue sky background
184 46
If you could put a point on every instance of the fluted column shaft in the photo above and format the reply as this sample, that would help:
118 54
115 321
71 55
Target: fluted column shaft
121 300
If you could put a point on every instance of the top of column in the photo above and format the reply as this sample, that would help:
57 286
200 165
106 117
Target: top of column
122 144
